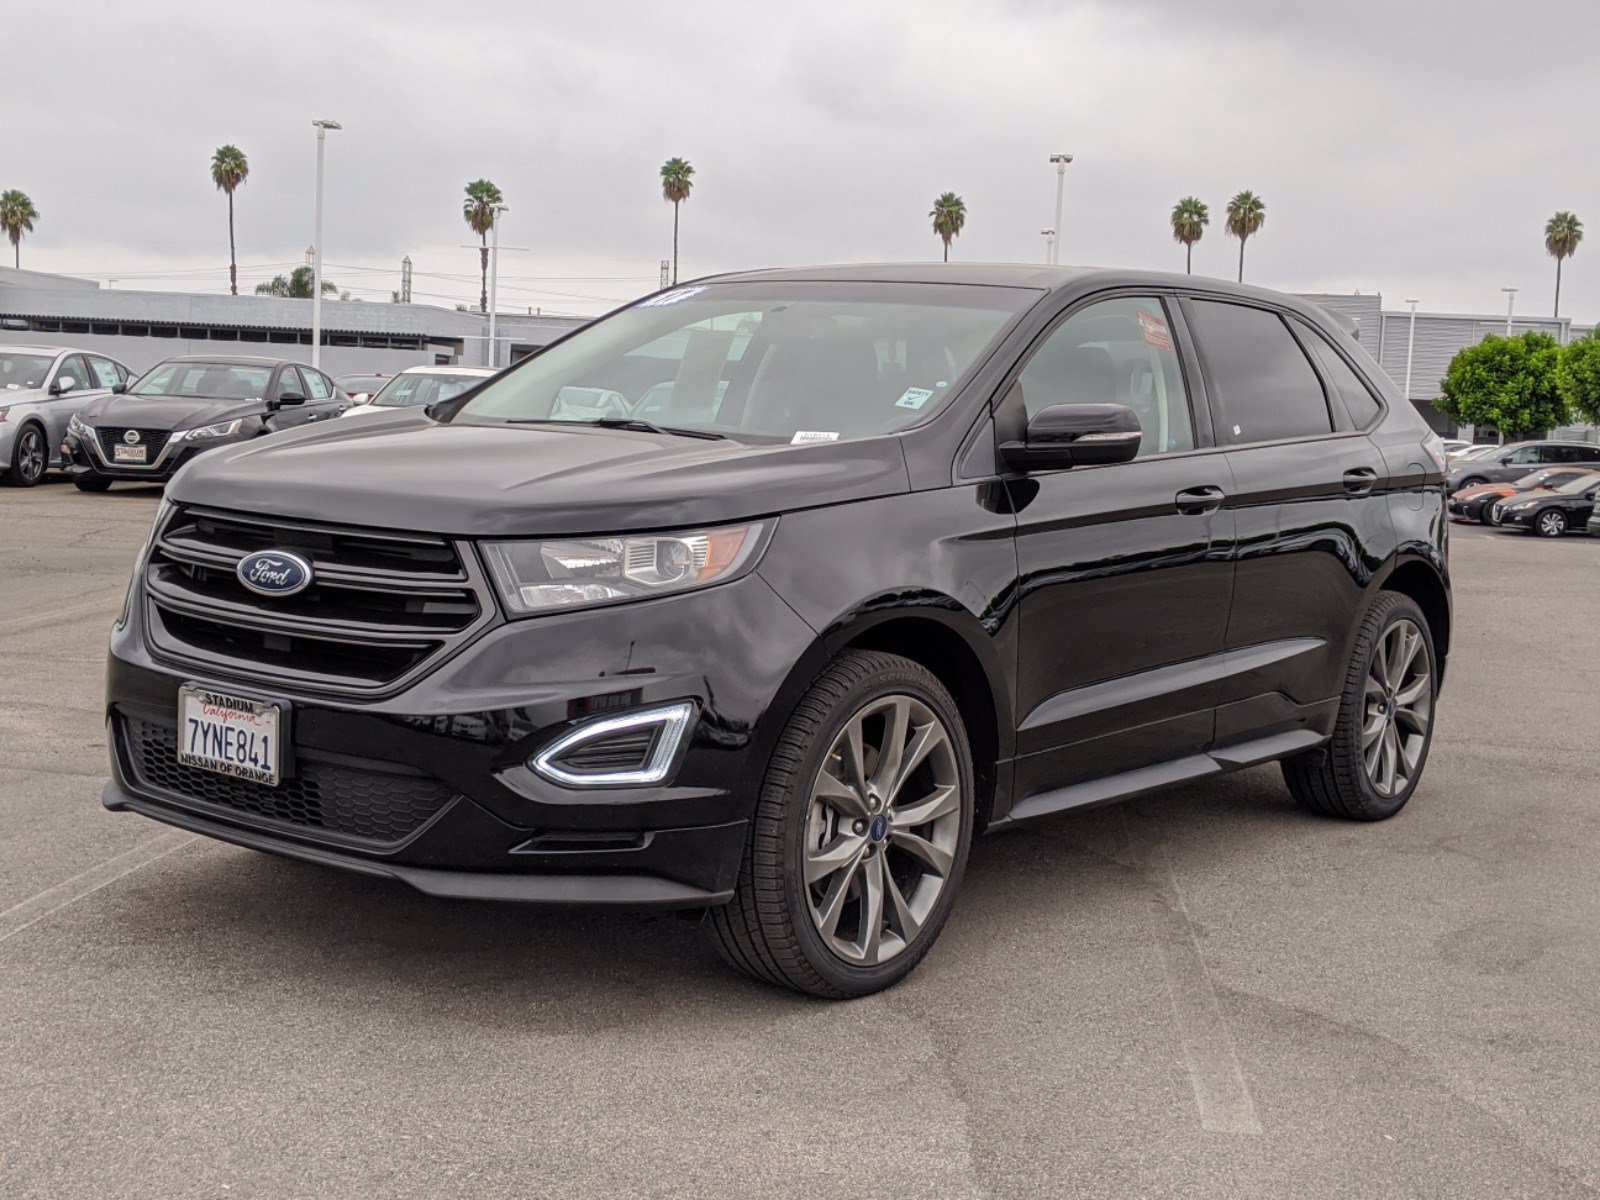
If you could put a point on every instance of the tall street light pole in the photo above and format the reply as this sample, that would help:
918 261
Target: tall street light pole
494 284
1061 161
1411 343
1049 246
316 260
1511 304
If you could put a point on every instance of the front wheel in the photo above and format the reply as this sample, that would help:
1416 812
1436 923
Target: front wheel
1371 765
29 458
860 835
91 483
1550 523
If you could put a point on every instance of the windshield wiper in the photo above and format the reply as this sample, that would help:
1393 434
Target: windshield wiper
635 423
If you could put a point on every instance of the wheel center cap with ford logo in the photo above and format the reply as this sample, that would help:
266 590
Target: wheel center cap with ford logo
274 573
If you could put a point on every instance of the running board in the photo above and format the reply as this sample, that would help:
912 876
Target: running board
1143 780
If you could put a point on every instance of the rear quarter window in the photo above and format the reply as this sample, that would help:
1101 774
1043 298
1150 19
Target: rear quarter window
1359 401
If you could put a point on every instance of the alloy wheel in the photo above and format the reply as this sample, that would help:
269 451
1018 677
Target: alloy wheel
1399 708
882 830
1552 524
31 456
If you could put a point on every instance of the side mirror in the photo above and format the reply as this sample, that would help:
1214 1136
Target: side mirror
118 389
63 385
1076 435
291 398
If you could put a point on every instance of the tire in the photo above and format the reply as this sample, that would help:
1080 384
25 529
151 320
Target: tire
776 927
1338 780
1550 523
30 457
1470 481
91 483
1485 514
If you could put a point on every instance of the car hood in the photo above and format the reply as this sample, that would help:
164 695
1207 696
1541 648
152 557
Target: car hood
407 471
164 412
1483 491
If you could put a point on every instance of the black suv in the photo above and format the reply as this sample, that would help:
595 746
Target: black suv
768 592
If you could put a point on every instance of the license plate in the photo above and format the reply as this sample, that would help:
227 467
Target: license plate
130 454
230 735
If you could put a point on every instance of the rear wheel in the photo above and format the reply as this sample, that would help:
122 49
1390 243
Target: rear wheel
1371 766
1470 481
91 483
860 834
29 457
1552 522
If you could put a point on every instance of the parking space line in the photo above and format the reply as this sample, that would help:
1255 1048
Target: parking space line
69 891
1220 1091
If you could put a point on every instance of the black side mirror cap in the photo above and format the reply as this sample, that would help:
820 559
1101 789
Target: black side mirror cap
1076 435
118 389
291 398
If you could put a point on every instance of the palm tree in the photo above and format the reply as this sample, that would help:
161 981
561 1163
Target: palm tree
949 218
230 168
1189 220
1246 215
677 181
478 211
1562 233
17 215
297 285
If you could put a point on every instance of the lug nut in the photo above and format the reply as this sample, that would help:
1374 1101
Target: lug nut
859 827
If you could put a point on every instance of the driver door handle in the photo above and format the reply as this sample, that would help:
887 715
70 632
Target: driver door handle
1360 480
1197 501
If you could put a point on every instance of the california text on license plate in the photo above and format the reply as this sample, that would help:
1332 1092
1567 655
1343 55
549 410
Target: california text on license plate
229 734
130 454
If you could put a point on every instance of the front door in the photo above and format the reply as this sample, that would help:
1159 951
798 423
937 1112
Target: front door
1126 575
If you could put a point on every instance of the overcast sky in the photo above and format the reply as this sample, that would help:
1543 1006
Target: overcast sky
1410 147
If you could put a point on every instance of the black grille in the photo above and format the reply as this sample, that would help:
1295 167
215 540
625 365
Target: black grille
377 807
379 606
152 439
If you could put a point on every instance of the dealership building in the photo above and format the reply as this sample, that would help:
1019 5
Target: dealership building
142 328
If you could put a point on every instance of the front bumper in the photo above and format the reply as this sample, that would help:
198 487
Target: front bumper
431 786
79 457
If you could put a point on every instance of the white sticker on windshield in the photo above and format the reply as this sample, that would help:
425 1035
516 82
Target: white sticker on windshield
914 398
671 297
805 437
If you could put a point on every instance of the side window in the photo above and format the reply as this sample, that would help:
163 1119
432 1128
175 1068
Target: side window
1523 457
1359 402
1265 387
288 384
73 368
104 371
1575 454
1116 352
318 383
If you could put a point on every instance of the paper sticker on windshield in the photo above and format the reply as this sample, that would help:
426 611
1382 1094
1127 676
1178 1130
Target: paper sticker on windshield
805 437
914 398
671 297
1156 333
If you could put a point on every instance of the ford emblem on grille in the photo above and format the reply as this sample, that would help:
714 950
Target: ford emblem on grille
131 437
274 572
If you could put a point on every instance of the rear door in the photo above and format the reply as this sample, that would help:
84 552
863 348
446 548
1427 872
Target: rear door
1311 512
1125 570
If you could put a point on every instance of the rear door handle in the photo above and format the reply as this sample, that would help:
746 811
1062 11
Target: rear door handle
1196 501
1360 480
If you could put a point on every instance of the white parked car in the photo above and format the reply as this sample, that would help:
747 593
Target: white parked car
417 386
41 389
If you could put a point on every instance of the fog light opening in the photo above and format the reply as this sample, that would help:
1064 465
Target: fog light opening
631 750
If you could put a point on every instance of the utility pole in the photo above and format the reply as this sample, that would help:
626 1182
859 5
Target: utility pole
1061 161
316 266
1511 304
405 280
666 271
1411 342
494 284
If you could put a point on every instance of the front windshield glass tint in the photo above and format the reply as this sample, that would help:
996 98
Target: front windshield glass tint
211 381
19 371
765 362
406 391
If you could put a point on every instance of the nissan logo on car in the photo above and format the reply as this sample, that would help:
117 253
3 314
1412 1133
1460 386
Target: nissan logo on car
131 437
274 573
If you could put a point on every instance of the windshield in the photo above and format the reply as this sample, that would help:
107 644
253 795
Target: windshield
1477 452
213 381
1581 484
18 371
360 383
404 391
766 362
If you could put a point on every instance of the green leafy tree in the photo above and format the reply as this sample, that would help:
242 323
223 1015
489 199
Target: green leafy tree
949 219
1246 215
1562 233
298 284
1507 384
1190 217
1578 376
229 169
478 212
677 181
17 215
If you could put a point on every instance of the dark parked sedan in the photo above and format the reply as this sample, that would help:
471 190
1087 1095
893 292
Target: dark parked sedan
1474 503
1551 513
185 406
1511 462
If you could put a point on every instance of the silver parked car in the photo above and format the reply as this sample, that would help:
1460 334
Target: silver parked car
41 390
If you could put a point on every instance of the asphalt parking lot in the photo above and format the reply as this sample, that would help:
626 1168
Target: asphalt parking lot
1202 994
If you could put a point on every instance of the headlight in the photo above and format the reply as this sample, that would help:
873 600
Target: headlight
534 577
78 429
219 430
